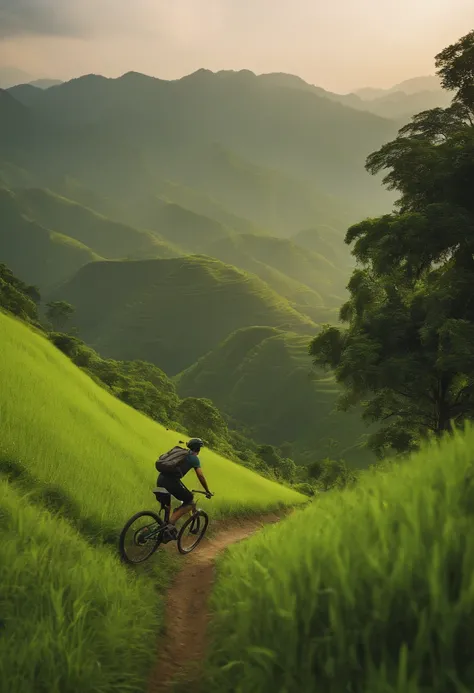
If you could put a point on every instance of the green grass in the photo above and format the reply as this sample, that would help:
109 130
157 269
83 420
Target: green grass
368 590
75 463
263 378
171 312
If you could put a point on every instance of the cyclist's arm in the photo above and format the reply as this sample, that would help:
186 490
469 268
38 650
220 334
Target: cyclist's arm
202 479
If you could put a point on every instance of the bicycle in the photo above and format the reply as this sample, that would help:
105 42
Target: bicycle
151 534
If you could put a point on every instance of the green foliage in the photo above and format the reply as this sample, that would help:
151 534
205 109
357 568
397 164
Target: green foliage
141 385
59 313
75 463
17 297
406 353
262 378
328 473
202 417
369 589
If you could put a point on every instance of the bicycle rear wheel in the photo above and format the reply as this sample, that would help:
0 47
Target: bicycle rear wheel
192 531
140 537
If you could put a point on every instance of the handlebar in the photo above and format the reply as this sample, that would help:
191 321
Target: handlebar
204 493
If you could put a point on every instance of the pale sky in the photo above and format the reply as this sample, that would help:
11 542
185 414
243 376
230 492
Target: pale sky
337 44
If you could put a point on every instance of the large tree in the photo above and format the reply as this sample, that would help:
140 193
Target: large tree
407 351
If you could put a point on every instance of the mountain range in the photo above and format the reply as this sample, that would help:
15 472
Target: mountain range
185 220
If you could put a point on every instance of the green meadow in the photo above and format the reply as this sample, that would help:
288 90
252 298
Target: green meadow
75 463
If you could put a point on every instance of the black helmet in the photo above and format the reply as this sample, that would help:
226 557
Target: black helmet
195 444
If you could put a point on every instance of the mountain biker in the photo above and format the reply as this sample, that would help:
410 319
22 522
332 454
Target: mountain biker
173 484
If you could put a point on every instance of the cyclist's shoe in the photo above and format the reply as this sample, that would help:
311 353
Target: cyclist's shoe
170 533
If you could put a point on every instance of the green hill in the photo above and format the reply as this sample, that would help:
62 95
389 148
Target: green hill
37 254
262 378
276 260
170 312
110 239
372 588
75 463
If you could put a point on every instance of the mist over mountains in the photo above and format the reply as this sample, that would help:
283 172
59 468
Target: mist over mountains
224 196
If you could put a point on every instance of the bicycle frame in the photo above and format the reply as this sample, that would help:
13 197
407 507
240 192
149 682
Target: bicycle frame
167 514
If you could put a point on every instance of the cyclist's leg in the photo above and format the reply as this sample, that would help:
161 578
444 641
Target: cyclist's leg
187 501
177 489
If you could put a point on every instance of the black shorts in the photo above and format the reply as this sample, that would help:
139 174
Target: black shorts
175 486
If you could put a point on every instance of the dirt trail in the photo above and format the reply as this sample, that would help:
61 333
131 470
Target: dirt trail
181 650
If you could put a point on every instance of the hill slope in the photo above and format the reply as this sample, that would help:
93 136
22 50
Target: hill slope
305 267
262 378
37 254
75 463
171 312
110 239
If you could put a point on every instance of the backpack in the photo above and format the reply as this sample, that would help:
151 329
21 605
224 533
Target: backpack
168 462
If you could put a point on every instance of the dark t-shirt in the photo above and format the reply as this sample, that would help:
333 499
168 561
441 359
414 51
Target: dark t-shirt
192 461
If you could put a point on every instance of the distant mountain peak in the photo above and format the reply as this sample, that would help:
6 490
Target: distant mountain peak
133 76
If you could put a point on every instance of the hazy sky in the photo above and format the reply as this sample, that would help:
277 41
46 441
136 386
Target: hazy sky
337 44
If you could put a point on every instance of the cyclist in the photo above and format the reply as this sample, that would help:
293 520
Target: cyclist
171 483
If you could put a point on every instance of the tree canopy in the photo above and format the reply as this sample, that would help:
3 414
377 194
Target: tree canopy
406 352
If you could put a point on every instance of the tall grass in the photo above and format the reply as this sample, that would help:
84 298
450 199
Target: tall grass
71 620
75 463
367 591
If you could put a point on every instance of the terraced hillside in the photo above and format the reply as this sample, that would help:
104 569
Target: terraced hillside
262 377
305 277
171 312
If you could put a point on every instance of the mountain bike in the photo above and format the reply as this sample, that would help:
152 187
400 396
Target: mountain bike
146 530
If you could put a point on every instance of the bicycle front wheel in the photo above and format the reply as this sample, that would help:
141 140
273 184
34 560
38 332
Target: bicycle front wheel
192 531
140 537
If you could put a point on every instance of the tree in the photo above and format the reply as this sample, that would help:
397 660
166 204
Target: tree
58 313
17 297
406 355
329 473
201 418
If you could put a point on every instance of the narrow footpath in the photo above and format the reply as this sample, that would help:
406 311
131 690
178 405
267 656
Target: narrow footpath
181 651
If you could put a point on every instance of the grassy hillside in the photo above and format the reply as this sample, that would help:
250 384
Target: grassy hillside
171 312
39 255
262 378
74 464
110 239
366 590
